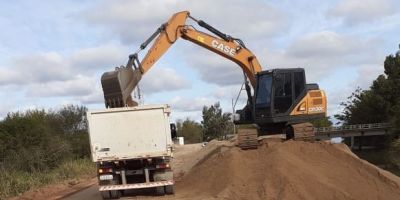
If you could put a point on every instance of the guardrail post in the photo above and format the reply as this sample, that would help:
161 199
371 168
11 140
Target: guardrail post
351 142
146 173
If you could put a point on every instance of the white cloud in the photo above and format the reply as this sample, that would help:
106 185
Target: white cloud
323 44
324 52
78 75
214 68
131 21
94 97
45 75
4 109
189 104
227 92
362 11
79 85
51 66
37 68
367 74
182 115
162 79
103 57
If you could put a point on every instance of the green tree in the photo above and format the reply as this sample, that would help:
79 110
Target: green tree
192 131
324 122
216 124
72 119
37 140
381 102
364 106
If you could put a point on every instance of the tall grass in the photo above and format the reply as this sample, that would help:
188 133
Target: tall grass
14 182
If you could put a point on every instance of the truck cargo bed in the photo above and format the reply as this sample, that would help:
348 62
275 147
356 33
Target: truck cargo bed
130 133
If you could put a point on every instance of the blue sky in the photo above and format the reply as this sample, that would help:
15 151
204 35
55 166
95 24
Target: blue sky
52 53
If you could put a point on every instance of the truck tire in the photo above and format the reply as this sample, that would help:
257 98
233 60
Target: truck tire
169 189
105 194
115 194
160 191
112 194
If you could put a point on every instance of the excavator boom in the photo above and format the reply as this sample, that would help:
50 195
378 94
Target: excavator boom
279 100
119 84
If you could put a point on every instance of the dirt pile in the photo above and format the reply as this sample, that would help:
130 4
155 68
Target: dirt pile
188 156
287 170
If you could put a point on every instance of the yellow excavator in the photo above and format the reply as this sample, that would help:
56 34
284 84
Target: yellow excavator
279 100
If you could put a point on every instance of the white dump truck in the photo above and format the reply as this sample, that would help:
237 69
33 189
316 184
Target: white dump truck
132 148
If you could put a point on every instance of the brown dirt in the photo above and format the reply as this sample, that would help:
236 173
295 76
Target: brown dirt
187 156
276 170
288 170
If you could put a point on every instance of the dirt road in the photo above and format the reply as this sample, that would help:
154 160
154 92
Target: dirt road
185 157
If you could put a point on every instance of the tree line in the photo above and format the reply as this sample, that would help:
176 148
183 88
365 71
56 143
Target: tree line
215 125
39 140
379 103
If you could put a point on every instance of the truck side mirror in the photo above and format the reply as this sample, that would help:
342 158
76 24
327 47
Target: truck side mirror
173 130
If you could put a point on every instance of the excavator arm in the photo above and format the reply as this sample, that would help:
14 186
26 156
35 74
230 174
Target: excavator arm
119 84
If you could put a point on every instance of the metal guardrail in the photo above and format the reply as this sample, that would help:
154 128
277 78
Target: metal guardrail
355 127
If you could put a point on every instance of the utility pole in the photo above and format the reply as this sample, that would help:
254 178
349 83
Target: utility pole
232 116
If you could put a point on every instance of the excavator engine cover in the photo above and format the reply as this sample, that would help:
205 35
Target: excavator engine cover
117 86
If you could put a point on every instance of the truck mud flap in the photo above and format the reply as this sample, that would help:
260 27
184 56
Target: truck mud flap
135 186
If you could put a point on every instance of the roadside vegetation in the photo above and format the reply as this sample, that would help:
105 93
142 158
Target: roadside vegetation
215 125
39 147
379 103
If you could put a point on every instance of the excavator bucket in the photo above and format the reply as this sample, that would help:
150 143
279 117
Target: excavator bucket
118 86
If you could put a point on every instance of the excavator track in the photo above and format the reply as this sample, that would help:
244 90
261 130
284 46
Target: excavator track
247 138
302 131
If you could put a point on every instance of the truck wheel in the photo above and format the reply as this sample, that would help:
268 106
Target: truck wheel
112 194
169 189
105 194
115 194
160 190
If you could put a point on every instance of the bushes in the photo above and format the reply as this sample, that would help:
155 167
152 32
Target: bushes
190 130
39 147
14 182
394 152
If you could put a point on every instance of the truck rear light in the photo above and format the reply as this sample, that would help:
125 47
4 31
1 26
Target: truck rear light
162 166
105 170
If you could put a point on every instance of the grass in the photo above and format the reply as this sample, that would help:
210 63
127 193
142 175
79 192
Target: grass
14 182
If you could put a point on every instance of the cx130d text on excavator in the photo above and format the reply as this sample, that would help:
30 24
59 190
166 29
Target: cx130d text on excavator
281 101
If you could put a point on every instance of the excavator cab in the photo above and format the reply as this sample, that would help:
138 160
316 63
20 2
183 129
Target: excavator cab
277 91
282 98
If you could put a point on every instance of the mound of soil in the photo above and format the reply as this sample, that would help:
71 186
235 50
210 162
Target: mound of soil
287 170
